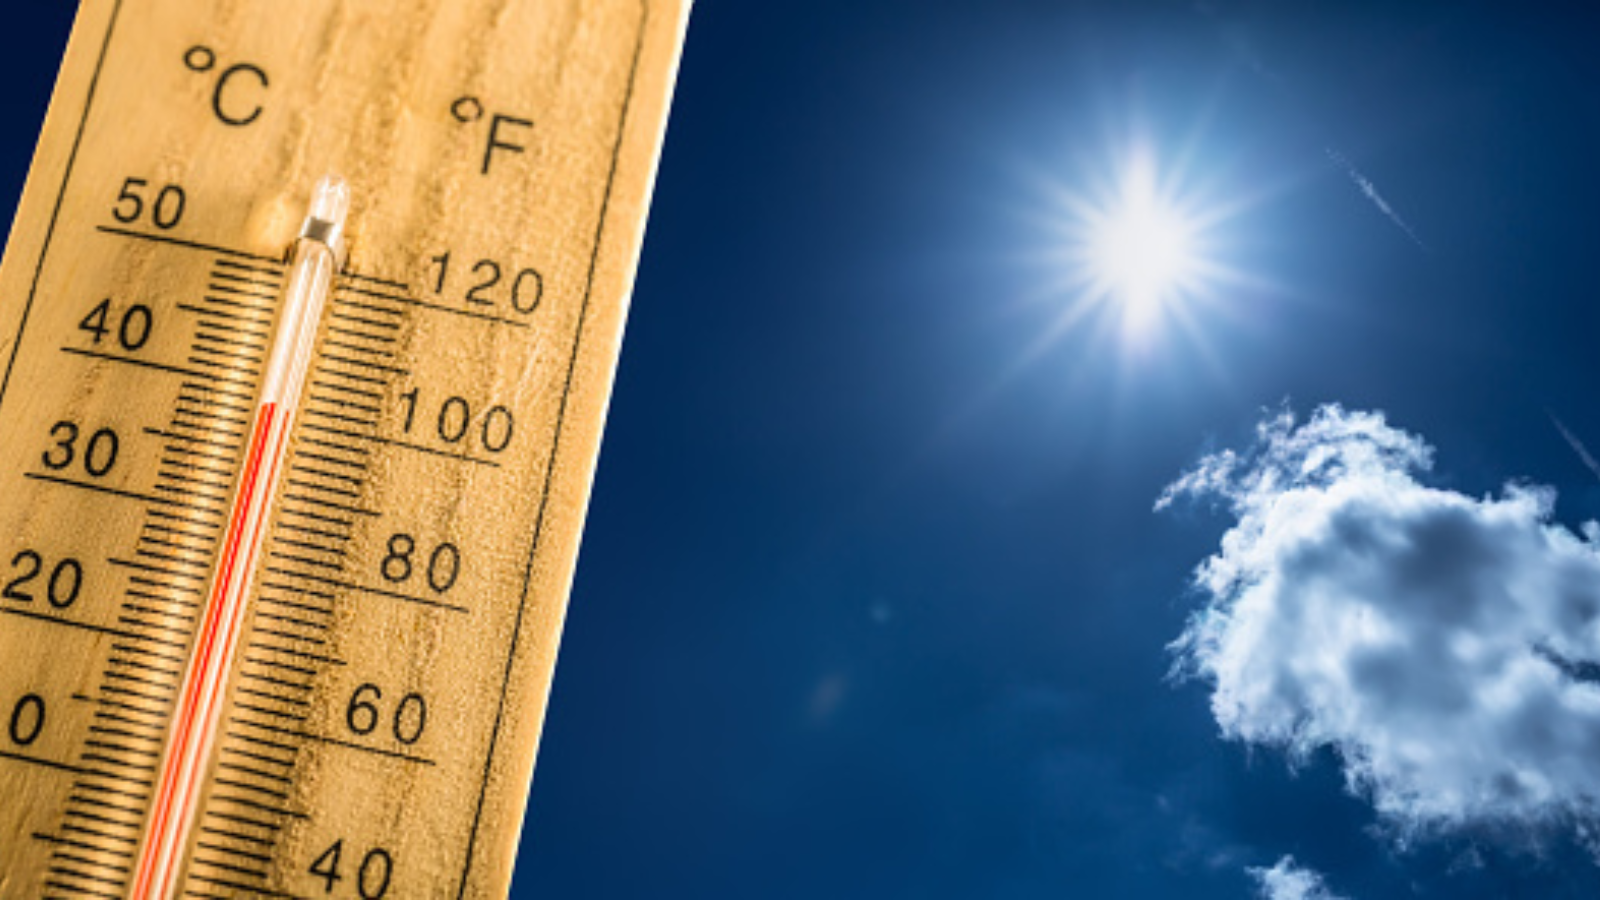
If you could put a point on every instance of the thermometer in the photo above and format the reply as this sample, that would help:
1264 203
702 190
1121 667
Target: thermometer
307 327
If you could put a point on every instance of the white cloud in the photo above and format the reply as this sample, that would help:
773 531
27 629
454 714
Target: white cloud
1445 646
1289 881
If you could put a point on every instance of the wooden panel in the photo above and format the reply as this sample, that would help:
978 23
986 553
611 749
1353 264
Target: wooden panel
386 701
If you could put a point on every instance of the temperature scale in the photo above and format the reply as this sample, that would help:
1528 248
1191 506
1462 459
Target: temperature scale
307 326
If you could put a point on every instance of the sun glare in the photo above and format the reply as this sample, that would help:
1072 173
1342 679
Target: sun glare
1141 250
1147 252
1142 245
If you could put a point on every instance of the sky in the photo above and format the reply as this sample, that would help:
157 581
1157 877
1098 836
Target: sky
918 565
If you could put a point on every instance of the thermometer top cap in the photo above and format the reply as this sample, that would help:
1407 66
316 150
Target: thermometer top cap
330 201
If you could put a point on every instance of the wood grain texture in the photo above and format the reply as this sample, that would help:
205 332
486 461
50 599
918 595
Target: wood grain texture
387 699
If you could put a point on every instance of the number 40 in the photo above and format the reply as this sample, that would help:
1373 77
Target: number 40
372 877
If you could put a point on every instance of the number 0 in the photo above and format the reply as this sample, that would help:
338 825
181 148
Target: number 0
169 207
373 879
27 720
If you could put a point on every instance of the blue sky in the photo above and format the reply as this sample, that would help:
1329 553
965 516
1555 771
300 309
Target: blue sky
874 599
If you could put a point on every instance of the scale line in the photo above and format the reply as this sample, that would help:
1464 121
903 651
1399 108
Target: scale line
412 301
361 588
290 732
47 763
145 364
180 242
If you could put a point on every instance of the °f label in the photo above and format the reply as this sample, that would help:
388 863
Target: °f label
385 700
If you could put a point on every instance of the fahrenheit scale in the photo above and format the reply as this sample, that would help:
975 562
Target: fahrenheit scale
307 326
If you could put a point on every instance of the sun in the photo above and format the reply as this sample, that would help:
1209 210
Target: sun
1142 255
1141 250
1146 250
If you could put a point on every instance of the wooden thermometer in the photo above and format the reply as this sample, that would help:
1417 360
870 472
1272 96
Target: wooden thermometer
307 326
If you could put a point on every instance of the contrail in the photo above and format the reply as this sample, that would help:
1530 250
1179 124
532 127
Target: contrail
1371 190
1238 41
1576 445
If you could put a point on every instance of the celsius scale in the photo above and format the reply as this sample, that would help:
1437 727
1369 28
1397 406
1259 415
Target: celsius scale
308 322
